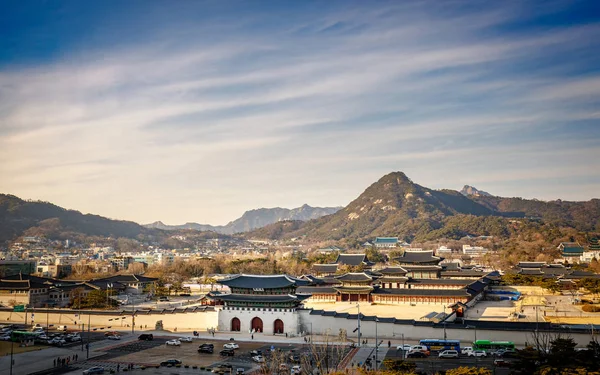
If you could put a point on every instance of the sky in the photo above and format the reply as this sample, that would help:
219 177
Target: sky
191 111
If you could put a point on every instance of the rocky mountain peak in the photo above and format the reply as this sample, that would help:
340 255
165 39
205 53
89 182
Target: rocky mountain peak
472 190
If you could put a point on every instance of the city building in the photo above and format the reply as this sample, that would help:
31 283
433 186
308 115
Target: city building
15 267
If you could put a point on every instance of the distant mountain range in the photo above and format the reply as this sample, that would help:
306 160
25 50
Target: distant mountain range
472 190
396 206
392 206
254 219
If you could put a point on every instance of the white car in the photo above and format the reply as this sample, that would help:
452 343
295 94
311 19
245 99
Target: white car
466 350
232 345
186 339
478 353
448 354
258 359
296 370
114 337
404 347
173 343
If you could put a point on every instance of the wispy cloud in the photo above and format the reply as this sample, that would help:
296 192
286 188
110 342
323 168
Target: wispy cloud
245 110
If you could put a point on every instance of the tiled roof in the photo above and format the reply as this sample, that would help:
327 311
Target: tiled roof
261 281
128 279
315 290
352 289
355 277
462 273
423 292
440 281
352 259
416 257
14 284
421 268
531 264
256 298
393 271
325 268
386 240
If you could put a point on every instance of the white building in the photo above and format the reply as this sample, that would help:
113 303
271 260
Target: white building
474 250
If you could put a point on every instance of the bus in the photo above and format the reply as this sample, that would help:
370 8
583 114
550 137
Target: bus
488 345
437 345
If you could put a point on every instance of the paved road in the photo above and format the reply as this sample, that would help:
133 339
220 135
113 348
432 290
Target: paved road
433 363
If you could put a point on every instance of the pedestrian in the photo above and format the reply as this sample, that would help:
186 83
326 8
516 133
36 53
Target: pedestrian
68 360
54 362
304 338
252 336
63 361
77 357
118 367
389 344
286 334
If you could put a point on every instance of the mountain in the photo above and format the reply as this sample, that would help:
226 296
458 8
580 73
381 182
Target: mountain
18 217
254 219
396 206
472 190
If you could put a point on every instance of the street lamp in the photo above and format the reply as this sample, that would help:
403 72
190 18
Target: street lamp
376 343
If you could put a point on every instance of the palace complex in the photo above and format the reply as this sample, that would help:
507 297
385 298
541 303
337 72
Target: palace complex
270 304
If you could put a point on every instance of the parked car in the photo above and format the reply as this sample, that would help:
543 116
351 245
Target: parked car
208 345
240 371
416 355
296 370
294 358
227 352
404 347
478 353
163 299
501 363
231 345
448 354
466 350
173 343
255 353
205 349
114 337
186 339
5 338
94 370
171 362
283 367
146 337
258 359
184 294
61 328
111 333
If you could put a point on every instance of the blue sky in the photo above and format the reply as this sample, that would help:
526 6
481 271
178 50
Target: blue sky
197 111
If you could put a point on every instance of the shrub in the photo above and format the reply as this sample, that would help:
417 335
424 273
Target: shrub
591 308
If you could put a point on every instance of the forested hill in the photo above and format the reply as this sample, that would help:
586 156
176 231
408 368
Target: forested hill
18 217
396 206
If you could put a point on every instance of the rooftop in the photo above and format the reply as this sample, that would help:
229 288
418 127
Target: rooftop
262 281
417 257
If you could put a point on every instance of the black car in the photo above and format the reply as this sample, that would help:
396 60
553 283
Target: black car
416 355
294 358
227 352
207 345
205 349
146 337
172 362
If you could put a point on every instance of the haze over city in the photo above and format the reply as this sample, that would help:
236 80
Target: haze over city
197 112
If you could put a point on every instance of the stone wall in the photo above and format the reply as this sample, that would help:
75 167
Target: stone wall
191 321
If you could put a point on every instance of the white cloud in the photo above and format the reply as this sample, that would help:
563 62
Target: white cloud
310 114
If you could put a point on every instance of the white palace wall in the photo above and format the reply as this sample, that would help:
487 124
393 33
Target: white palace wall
288 316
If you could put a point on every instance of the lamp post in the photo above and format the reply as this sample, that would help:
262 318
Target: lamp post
358 318
376 343
403 351
11 353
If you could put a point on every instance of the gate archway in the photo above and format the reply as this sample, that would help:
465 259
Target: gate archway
278 326
235 325
257 324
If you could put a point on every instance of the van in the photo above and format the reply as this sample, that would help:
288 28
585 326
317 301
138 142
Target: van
466 350
146 337
61 328
419 348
